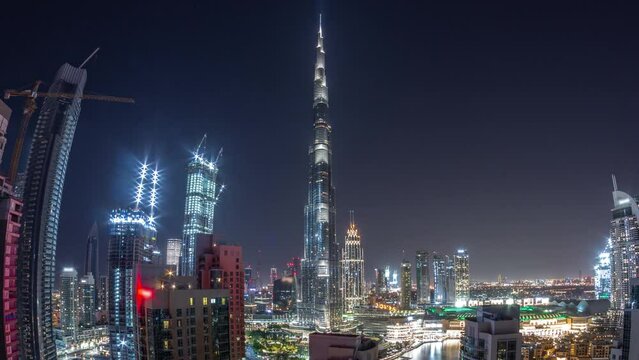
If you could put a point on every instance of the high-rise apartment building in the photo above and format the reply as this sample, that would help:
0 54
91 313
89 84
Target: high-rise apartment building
422 272
353 282
320 299
69 302
42 197
220 267
630 333
462 276
130 233
10 215
405 285
173 250
199 208
274 275
102 288
603 273
450 280
182 322
86 301
5 115
439 278
380 284
492 335
624 241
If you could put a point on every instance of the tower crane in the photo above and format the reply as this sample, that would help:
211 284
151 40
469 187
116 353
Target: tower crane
30 107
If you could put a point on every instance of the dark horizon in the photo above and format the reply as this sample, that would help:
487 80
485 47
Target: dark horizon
485 126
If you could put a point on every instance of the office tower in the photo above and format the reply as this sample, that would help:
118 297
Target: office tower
273 275
624 241
387 278
394 280
199 208
91 264
42 198
5 115
130 233
493 334
320 299
173 250
294 267
323 346
422 272
603 273
86 301
69 302
102 304
450 280
439 279
181 322
284 296
462 276
10 215
220 266
379 282
630 339
353 282
405 285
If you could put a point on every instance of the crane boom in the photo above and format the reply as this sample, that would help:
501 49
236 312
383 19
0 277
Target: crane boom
30 107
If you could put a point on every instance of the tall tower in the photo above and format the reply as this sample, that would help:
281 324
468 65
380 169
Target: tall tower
602 273
173 249
86 301
201 185
439 278
69 302
462 276
624 241
130 232
91 264
352 268
405 285
320 299
42 198
422 272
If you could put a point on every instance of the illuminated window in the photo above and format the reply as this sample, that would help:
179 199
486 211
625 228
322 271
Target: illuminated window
165 324
191 301
205 301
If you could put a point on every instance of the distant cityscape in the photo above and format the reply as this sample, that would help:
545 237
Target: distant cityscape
195 296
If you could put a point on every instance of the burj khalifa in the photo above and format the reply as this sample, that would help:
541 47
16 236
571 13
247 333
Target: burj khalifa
319 305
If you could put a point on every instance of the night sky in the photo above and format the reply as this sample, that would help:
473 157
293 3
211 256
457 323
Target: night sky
489 126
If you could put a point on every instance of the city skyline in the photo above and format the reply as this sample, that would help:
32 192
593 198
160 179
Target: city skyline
497 191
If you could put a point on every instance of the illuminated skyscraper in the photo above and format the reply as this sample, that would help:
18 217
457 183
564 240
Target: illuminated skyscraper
462 276
173 249
199 208
624 241
439 278
602 273
450 280
42 197
422 272
405 285
69 302
130 233
320 299
353 284
86 301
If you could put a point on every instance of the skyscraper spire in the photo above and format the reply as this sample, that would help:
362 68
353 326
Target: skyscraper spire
320 296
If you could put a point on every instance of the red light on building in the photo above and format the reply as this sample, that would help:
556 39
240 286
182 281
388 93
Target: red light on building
145 293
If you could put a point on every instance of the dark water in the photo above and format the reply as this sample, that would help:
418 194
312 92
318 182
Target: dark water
448 350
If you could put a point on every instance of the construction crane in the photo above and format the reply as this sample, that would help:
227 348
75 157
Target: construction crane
30 107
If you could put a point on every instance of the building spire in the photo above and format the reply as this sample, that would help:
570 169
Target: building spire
320 25
321 90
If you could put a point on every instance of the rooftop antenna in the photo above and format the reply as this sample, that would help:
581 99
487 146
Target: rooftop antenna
352 215
89 58
614 182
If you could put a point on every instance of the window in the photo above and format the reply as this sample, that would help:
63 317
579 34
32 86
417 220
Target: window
191 301
205 301
165 324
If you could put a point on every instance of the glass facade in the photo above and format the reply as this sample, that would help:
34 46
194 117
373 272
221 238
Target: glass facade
199 208
405 285
422 272
320 304
462 276
42 197
130 234
68 302
602 274
624 240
